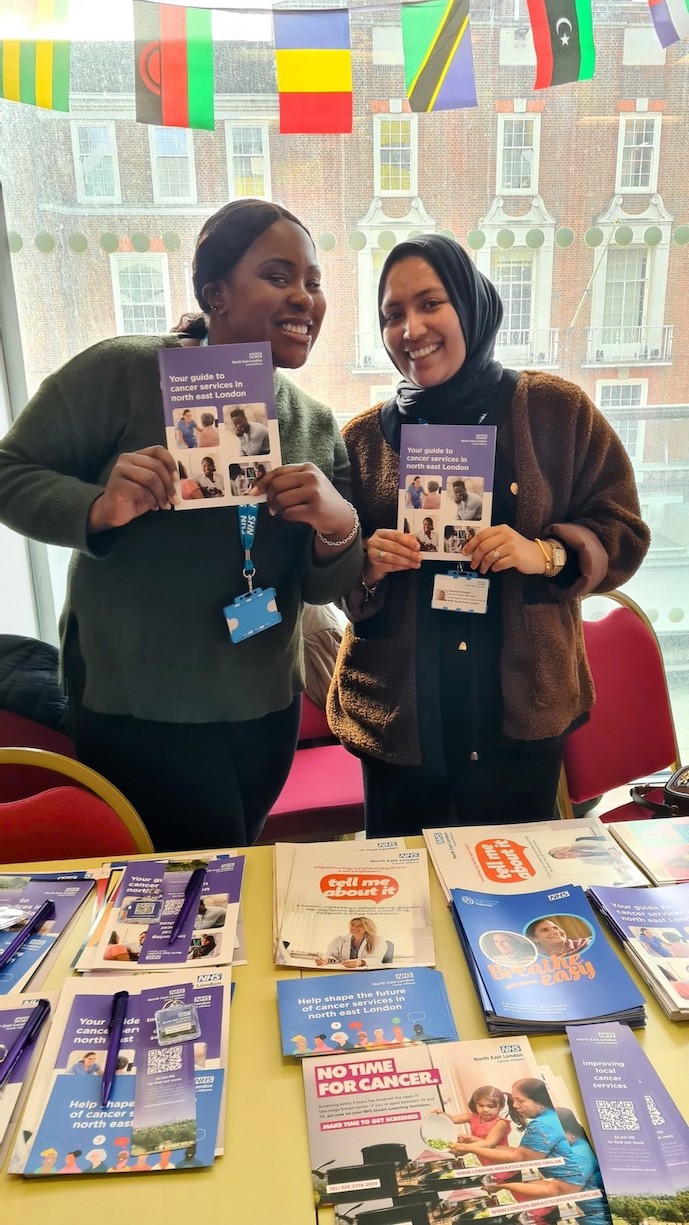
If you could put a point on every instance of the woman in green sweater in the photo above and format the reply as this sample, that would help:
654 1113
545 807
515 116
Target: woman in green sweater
199 732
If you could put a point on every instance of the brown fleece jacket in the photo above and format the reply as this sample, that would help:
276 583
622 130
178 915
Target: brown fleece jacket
574 481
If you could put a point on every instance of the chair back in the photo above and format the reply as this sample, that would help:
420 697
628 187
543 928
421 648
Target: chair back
52 824
17 782
630 733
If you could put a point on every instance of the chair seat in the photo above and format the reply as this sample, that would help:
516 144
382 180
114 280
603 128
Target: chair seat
59 824
323 797
631 811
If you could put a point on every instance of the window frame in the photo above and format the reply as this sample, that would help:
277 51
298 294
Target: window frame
232 125
109 125
503 121
411 120
625 118
158 198
116 260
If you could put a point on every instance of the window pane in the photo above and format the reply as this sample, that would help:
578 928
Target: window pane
517 154
637 152
96 162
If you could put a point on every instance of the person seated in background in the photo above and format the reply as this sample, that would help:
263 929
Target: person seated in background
322 627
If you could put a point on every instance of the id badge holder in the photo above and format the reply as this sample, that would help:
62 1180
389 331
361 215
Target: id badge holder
252 613
255 610
460 591
176 1023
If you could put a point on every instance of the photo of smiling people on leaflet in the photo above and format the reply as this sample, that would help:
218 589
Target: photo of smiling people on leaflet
198 731
471 728
360 949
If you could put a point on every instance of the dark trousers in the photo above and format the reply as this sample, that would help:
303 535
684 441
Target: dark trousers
511 784
197 785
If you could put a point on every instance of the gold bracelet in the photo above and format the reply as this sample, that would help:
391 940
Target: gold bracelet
549 559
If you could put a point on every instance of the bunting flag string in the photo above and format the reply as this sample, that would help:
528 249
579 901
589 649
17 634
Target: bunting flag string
36 71
313 58
438 58
173 66
671 20
563 38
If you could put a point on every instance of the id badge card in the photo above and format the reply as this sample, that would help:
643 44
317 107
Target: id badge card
460 592
179 1023
252 613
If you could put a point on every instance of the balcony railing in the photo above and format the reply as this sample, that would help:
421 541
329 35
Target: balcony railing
527 347
625 346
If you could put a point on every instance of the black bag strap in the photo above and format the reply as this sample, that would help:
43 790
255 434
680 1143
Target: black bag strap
660 809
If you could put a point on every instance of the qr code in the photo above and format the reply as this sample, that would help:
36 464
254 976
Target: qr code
617 1116
168 1060
171 905
653 1112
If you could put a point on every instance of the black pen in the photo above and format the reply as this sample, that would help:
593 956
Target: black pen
36 920
26 1035
190 902
115 1027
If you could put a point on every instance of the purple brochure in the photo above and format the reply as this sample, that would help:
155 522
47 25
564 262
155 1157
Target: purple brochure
640 1137
220 421
446 486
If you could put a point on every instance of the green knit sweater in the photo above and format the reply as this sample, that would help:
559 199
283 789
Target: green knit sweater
146 600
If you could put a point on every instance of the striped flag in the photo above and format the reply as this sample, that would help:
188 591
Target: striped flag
36 71
563 38
314 70
438 60
173 66
671 20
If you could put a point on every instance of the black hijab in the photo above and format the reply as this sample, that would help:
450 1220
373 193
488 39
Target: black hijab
478 306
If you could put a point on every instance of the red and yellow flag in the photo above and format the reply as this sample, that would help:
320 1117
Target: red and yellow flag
314 70
36 70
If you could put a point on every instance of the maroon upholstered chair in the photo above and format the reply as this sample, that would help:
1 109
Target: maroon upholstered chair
16 731
631 733
324 794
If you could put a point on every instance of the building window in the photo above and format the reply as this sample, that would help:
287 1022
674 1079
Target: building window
248 160
395 171
518 148
637 153
95 162
172 164
512 274
620 395
625 288
142 293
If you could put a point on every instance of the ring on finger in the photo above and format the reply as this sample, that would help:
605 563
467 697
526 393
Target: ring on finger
382 554
496 554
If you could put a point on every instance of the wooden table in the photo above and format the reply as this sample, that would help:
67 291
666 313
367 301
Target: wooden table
264 1177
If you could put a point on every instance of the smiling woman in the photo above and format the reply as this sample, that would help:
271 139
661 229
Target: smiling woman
197 731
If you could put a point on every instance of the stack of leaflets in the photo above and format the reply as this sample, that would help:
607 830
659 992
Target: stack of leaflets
166 1106
20 897
540 961
653 925
354 905
15 1012
134 924
365 1011
523 858
660 847
641 1138
450 1131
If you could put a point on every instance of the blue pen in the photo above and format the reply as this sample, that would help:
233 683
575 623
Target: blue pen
115 1027
190 902
36 920
27 1035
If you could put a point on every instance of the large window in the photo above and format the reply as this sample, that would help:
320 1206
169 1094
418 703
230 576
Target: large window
574 200
518 154
637 155
395 168
95 162
141 292
172 166
248 160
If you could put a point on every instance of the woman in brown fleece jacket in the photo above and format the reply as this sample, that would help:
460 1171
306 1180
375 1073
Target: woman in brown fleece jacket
460 719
